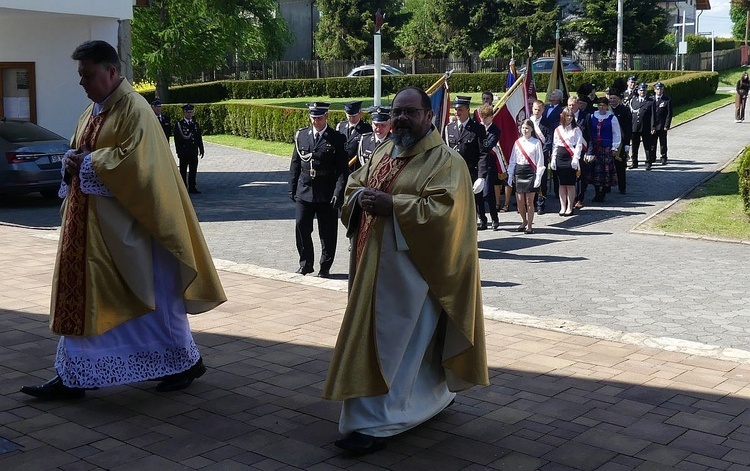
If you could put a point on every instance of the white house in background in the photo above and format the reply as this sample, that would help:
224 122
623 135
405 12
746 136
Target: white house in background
38 79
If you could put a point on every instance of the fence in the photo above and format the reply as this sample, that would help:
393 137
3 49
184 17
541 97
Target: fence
302 69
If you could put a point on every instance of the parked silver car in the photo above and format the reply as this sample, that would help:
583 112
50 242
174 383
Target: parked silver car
31 158
369 70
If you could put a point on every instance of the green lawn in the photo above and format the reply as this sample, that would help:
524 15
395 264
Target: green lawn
713 209
256 145
729 77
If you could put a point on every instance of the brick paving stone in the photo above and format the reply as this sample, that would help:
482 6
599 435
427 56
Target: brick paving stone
517 462
579 456
701 444
616 442
654 431
703 424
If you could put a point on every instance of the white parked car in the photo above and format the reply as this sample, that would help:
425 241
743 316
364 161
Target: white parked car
369 71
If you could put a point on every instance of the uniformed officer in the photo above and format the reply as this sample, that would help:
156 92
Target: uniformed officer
381 132
641 108
623 115
662 117
467 137
353 128
166 124
318 175
188 142
630 90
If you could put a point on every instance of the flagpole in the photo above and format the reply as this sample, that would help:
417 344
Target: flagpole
439 82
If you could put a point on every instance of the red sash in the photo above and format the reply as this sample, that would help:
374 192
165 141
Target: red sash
565 143
531 162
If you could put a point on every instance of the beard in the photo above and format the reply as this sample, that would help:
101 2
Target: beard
404 137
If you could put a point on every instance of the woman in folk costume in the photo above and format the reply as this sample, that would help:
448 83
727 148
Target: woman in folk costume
604 130
525 171
566 147
131 260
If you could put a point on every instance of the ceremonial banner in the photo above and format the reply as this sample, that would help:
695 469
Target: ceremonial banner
441 103
557 77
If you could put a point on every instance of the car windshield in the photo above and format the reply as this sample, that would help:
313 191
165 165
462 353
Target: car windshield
17 132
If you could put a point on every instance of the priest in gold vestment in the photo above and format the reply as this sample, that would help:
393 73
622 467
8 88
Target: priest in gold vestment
132 261
413 331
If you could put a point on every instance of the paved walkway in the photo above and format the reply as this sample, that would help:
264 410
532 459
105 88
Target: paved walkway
558 401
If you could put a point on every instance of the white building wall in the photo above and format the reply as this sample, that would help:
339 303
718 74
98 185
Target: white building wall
48 41
119 9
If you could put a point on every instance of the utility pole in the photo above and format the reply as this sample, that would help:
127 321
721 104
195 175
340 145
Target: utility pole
618 54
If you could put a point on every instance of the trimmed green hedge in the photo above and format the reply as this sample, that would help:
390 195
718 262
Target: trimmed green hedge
743 172
275 123
213 92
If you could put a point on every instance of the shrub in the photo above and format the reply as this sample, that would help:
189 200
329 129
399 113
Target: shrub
743 172
275 123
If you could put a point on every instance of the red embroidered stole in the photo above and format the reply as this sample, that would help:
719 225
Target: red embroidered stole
69 317
382 178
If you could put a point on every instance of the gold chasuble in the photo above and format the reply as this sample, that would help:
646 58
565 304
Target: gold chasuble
104 268
433 204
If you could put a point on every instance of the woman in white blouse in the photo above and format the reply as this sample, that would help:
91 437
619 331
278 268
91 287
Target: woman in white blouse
566 147
525 171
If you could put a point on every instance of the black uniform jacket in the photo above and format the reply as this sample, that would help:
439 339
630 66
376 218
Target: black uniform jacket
469 143
642 114
188 140
318 171
166 125
662 116
367 146
624 117
353 135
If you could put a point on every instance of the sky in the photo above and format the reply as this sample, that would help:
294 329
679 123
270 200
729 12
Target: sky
716 19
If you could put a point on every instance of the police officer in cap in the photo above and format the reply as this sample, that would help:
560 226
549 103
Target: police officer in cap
166 124
318 175
467 137
353 128
662 117
381 124
188 141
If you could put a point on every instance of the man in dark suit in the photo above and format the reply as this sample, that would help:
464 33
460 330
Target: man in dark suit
166 124
318 175
641 108
551 116
544 134
579 106
467 136
381 132
492 136
662 120
623 115
353 127
188 142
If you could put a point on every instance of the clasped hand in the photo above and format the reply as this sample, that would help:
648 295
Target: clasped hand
376 202
73 160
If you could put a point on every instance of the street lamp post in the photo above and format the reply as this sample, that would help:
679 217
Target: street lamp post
618 54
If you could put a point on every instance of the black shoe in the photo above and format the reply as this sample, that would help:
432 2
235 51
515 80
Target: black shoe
648 166
664 161
360 444
633 165
182 380
495 226
482 226
623 192
53 390
304 270
194 190
324 274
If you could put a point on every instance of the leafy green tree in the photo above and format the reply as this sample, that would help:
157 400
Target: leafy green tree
178 38
418 37
738 14
644 23
521 23
346 28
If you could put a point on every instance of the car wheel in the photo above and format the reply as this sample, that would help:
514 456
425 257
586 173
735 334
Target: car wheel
49 194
